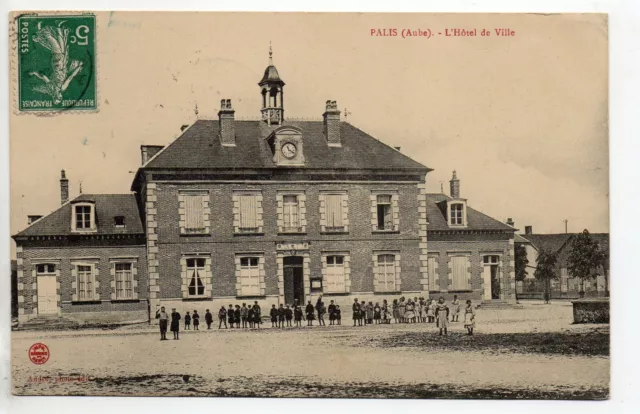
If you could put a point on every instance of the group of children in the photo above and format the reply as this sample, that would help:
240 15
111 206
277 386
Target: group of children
401 310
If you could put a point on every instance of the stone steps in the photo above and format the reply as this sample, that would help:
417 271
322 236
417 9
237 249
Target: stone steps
499 304
48 323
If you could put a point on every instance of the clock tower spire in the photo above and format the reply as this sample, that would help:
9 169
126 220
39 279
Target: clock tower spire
272 90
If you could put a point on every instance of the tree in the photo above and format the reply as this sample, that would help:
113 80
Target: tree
585 258
546 270
521 262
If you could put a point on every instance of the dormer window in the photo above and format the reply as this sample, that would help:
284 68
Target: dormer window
83 217
457 214
119 222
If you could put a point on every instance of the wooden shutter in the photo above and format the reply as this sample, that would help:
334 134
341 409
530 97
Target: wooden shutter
431 264
335 277
194 212
460 268
248 212
290 211
334 210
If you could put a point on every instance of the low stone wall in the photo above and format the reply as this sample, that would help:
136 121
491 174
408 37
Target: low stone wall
591 310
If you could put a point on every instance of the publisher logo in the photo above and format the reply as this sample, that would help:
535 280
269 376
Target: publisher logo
39 353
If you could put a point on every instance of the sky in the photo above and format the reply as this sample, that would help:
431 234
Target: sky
522 119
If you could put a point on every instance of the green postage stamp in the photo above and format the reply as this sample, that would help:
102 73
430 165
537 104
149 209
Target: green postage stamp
56 62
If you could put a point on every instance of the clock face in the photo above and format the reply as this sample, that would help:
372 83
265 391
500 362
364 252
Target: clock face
289 150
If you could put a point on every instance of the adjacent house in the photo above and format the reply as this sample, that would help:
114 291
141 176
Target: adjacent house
564 286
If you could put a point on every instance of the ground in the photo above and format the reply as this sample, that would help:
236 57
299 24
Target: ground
535 352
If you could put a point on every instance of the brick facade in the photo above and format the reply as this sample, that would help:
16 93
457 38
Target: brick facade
223 244
103 308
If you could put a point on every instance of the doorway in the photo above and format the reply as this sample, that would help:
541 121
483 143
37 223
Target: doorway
491 276
47 295
293 280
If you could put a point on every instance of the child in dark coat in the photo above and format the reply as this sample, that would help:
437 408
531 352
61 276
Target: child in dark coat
231 316
309 312
338 315
281 316
187 321
208 318
274 316
251 316
196 320
236 316
288 313
257 312
332 313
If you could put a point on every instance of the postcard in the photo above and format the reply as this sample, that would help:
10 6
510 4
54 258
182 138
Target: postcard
334 205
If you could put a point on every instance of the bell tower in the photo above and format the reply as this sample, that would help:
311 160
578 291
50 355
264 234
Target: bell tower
271 88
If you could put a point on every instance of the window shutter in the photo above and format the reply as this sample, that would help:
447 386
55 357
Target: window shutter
460 270
194 212
248 212
431 264
334 210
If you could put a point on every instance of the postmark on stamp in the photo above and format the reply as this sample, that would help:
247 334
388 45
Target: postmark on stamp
56 68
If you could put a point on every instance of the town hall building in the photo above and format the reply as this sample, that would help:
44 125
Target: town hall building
273 210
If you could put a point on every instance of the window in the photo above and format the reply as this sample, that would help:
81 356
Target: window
194 213
83 217
386 273
333 208
457 211
384 212
460 272
124 281
45 269
291 213
118 221
250 276
195 276
489 260
86 281
335 275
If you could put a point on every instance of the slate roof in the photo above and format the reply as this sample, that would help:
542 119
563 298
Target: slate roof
107 206
271 75
199 148
517 238
555 242
475 219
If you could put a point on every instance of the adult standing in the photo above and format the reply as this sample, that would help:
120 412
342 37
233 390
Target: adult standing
163 318
175 323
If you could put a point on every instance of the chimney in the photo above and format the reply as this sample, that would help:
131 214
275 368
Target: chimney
227 124
32 219
454 186
510 222
64 188
149 151
332 124
528 229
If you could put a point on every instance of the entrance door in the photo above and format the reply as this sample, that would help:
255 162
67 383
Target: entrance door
293 280
491 277
47 296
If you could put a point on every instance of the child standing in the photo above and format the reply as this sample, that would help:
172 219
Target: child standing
288 314
442 315
338 315
257 314
236 316
409 314
208 318
402 308
274 316
281 316
251 316
332 313
222 317
469 318
309 312
244 313
431 311
377 313
187 321
230 316
455 307
396 311
297 314
356 312
196 320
